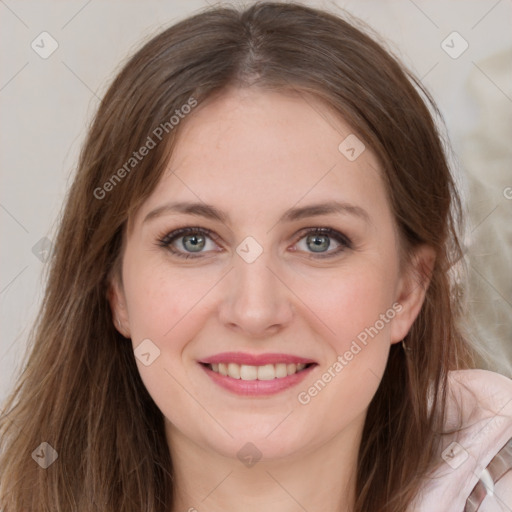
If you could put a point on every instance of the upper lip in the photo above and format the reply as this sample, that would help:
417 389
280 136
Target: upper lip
255 359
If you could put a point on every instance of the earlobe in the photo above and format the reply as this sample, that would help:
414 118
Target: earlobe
116 299
412 289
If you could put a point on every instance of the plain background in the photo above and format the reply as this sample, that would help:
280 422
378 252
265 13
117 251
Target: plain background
47 104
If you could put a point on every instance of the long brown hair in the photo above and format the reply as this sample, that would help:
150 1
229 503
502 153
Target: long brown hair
80 390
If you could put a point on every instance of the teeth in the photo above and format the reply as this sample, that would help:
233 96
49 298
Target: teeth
265 372
281 370
247 372
234 370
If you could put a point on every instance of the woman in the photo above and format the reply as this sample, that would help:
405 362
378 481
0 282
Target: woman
250 304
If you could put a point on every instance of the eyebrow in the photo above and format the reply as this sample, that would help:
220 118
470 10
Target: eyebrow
293 214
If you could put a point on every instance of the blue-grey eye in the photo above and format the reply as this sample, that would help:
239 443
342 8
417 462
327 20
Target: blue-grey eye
318 243
189 242
323 242
193 243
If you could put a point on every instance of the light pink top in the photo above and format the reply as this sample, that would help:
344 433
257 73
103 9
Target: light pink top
486 399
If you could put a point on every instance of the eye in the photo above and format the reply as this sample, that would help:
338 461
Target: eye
191 240
318 241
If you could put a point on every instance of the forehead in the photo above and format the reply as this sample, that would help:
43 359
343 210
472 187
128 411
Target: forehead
250 147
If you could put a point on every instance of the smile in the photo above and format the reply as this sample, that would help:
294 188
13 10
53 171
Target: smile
253 375
263 372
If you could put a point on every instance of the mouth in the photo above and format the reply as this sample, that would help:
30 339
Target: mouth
253 372
262 375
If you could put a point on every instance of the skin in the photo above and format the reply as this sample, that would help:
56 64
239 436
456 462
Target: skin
254 154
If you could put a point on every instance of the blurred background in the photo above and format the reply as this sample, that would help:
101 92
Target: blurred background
59 57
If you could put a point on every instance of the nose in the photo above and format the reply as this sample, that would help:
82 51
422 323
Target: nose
256 301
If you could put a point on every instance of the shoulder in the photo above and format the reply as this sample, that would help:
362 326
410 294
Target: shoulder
479 409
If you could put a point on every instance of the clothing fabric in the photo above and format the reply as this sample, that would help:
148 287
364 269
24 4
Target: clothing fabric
481 401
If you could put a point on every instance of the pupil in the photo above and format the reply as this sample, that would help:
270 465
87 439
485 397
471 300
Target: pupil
197 242
320 242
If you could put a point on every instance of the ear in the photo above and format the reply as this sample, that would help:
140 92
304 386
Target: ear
411 290
116 299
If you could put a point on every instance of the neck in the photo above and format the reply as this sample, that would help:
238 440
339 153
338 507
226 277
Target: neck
322 478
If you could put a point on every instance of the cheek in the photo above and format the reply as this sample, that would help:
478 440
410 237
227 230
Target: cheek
164 307
358 311
350 301
356 307
160 300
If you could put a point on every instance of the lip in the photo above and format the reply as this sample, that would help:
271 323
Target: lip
255 359
255 388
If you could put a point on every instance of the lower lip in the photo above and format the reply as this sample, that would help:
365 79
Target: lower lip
257 387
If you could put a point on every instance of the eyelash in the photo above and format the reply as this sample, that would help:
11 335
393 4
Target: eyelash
166 240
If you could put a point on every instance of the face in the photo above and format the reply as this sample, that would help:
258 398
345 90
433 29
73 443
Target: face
257 278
